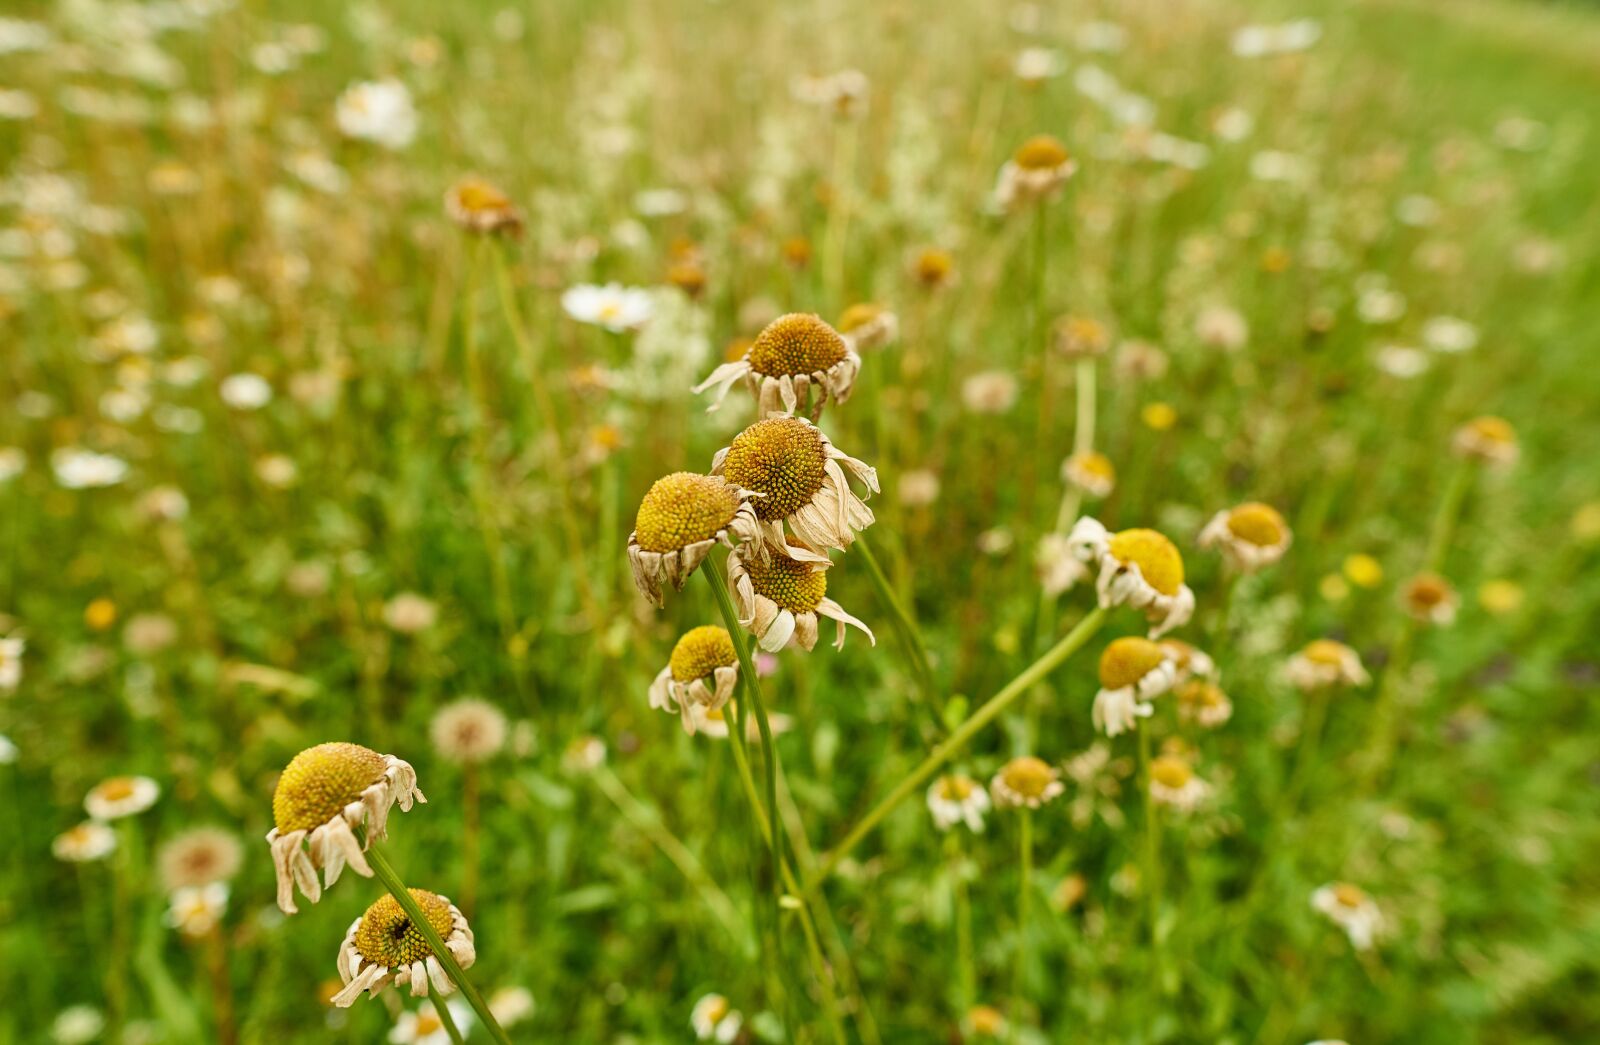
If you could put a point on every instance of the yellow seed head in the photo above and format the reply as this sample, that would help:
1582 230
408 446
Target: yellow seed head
798 343
1170 771
1042 152
794 586
387 937
320 781
1027 776
1259 524
1157 558
781 457
700 652
1127 660
684 508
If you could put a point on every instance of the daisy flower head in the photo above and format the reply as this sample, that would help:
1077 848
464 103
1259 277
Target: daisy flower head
702 671
1430 599
1026 781
1351 909
714 1019
1034 173
1489 439
797 363
868 325
1173 783
378 111
794 475
199 856
679 520
1250 536
984 1022
1080 337
957 799
933 268
86 843
1203 703
1189 661
1090 471
478 206
1133 672
990 392
424 1027
383 947
779 597
195 910
323 795
120 796
617 308
1138 568
1324 662
468 731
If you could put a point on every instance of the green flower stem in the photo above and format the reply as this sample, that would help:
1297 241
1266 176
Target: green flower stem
391 881
1083 430
1449 513
946 750
445 1017
916 650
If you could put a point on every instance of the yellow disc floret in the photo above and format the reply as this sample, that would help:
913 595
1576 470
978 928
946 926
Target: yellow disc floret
781 458
794 586
1326 651
1169 771
1156 556
798 343
1259 524
700 652
320 781
387 937
684 508
1042 152
1127 660
1027 776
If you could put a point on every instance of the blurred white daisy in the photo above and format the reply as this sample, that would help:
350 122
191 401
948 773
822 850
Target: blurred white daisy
1259 41
713 1019
8 751
120 796
424 1027
1324 662
956 799
1173 783
87 842
380 112
245 391
613 306
195 910
1449 334
1349 907
511 1005
1026 781
80 469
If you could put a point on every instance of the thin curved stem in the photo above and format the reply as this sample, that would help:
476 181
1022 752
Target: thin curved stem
447 1019
910 637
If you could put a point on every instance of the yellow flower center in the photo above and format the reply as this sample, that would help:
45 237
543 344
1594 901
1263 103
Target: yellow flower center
320 781
955 788
1259 524
1127 660
1349 895
684 508
1202 694
1493 429
1363 570
1027 776
781 457
934 267
794 586
701 651
387 937
798 343
986 1019
427 1023
1428 591
1326 652
1095 464
1169 771
477 196
715 1010
1157 558
857 316
1042 152
117 789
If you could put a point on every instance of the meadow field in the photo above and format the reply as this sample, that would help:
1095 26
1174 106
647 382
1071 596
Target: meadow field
441 444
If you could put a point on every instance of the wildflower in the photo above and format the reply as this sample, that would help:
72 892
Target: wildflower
424 1027
410 613
1090 471
779 597
11 650
383 947
955 799
798 362
195 910
1363 570
933 268
1488 438
324 794
793 475
984 1021
100 614
584 754
1258 41
511 1005
245 391
149 633
1189 662
1324 662
1173 783
87 842
468 731
1140 361
989 392
613 306
1080 337
1449 334
79 469
713 1019
1133 671
689 276
199 856
478 206
1059 569
844 93
380 112
1250 536
8 751
77 1025
919 488
1350 908
1430 599
679 520
13 460
868 325
1034 65
1220 326
1026 781
120 796
1158 417
1402 361
1039 167
1138 568
1203 702
702 654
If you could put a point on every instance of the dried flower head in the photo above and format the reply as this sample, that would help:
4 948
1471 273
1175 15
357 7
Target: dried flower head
1430 599
120 796
1080 337
1250 536
956 799
1090 471
384 947
1324 662
1133 671
1488 438
1039 167
468 731
1349 907
779 597
792 473
324 794
868 325
680 518
798 362
478 206
199 856
195 910
1026 781
1189 661
1138 568
702 671
86 843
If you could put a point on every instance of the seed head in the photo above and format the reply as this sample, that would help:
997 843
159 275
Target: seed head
793 586
700 652
684 508
387 936
1156 556
1127 660
781 458
794 344
320 781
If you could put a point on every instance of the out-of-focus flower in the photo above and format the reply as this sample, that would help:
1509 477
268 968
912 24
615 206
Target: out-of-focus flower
933 268
87 842
990 392
1133 671
468 731
713 1019
1449 334
511 1005
195 910
1259 41
1250 536
956 799
1140 568
845 94
80 469
1204 703
11 649
477 206
120 796
424 1027
1034 65
613 306
1323 663
1488 438
984 1022
1350 908
77 1025
1221 326
918 488
8 751
410 613
1173 783
1034 173
1080 337
868 325
12 463
380 112
1058 568
1026 781
1500 596
1430 599
1363 570
1403 361
245 391
584 754
199 856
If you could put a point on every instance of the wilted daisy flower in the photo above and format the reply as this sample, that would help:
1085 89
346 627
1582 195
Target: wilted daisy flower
792 474
779 597
1133 671
478 206
80 469
1203 702
1173 783
933 268
410 613
199 856
1139 568
1449 334
1080 337
1188 661
195 910
1026 781
956 799
704 654
120 796
1058 567
87 842
324 794
11 650
990 392
1487 438
1324 662
424 1027
613 306
1250 536
1430 599
797 363
468 731
868 325
1039 167
713 1019
680 518
1350 908
511 1005
383 947
379 112
1091 472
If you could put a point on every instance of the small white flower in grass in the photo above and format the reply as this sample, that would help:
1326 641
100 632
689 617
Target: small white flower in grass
1034 65
1173 784
380 112
80 469
713 1019
424 1027
1430 599
613 306
410 613
702 671
1058 568
957 799
1403 361
1250 536
468 731
86 843
1489 439
1324 662
918 488
199 856
584 754
1449 334
1090 471
121 796
1222 326
245 391
1140 568
1133 672
383 947
1350 908
717 723
8 751
990 392
1033 174
1261 41
1026 781
1204 703
77 1025
195 910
